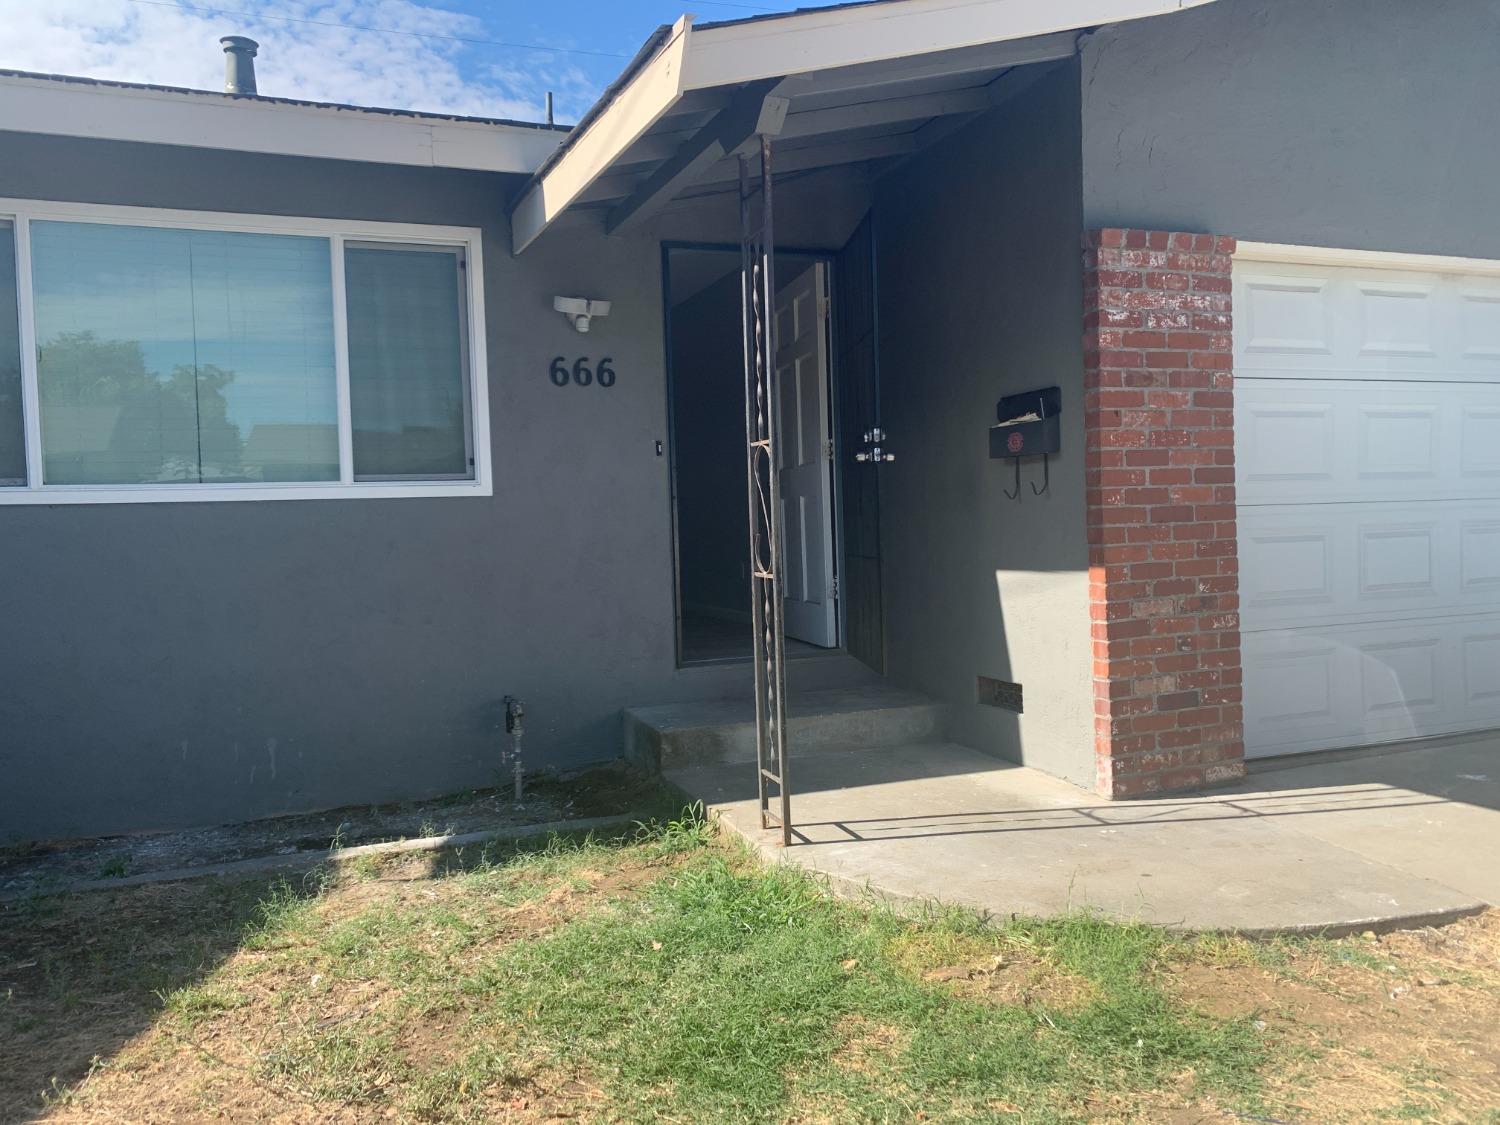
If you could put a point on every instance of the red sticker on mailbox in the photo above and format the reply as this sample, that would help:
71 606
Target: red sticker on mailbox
1014 443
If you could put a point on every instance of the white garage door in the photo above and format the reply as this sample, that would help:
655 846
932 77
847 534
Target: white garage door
1367 445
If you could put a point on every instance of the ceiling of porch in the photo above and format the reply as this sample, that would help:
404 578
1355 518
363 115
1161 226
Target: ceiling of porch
876 117
865 84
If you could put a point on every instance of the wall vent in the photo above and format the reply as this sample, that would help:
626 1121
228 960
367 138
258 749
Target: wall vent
999 693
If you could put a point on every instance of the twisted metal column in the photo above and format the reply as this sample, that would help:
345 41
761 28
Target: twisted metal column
758 292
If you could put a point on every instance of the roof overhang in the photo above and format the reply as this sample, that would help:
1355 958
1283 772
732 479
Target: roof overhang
848 84
75 107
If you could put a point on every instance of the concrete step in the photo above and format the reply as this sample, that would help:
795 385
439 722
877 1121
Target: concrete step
674 735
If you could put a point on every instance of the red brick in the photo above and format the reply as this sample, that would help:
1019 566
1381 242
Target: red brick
1174 282
1216 361
1161 515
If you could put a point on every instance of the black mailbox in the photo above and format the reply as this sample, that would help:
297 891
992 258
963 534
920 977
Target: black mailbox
1028 424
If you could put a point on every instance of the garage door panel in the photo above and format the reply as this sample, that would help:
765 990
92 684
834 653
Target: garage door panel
1286 568
1400 678
1398 442
1396 562
1292 688
1354 323
1479 557
1367 450
1351 685
1396 320
1283 438
1479 325
1479 441
1319 564
1481 663
1283 315
1318 441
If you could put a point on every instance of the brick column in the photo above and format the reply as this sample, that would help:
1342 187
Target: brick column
1163 550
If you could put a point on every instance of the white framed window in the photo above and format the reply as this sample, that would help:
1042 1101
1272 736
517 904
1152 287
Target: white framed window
154 355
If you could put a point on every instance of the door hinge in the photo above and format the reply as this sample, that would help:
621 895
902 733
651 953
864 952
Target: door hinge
834 592
828 449
825 307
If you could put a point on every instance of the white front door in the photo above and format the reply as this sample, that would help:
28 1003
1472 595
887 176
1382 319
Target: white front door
1367 452
804 440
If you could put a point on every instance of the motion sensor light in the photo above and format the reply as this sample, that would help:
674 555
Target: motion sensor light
580 311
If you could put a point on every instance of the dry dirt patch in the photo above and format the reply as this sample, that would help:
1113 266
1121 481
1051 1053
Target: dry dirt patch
1404 1024
988 968
86 975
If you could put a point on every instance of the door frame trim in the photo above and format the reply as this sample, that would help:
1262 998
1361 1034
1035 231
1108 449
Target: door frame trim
827 258
1297 254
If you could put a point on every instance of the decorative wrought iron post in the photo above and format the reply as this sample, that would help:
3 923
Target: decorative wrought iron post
758 293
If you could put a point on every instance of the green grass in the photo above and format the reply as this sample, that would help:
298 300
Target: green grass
723 994
670 976
725 990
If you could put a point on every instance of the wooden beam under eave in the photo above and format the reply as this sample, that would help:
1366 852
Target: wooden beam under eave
821 156
754 112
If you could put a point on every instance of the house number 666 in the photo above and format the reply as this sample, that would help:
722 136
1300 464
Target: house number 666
580 373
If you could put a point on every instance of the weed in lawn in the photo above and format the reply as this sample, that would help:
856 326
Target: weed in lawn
282 912
343 1064
367 866
195 1003
385 941
113 868
687 832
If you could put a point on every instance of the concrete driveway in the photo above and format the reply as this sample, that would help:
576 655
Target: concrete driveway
1363 840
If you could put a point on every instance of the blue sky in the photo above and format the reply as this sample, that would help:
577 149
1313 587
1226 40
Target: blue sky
484 57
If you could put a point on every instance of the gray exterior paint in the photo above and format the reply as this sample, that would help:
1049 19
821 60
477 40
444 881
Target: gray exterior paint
980 296
181 664
1367 124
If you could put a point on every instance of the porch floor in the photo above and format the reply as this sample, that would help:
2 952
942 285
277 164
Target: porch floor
706 638
1376 840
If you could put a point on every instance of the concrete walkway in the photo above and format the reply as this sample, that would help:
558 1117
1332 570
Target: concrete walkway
1369 841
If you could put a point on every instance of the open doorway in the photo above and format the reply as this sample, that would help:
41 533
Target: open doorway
707 400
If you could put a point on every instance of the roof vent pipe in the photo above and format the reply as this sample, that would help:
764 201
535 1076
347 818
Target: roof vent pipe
239 64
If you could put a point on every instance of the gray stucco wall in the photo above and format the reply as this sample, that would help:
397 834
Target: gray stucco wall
980 296
179 664
1367 124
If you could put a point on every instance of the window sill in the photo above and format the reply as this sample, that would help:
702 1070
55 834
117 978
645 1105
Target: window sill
211 493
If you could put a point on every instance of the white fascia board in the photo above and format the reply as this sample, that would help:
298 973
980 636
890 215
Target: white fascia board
643 101
821 40
39 105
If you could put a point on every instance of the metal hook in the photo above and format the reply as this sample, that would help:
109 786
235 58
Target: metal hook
1009 495
1046 476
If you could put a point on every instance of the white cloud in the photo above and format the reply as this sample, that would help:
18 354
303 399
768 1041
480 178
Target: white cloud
160 43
